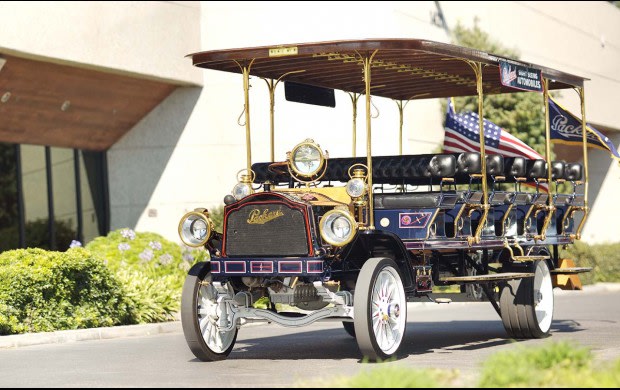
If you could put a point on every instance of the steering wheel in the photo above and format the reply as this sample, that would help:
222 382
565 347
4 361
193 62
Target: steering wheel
279 168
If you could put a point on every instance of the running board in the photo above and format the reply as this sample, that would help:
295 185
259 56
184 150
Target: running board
523 257
487 278
529 258
571 271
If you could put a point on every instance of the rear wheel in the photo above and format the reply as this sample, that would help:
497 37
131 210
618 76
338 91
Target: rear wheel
380 309
200 315
527 304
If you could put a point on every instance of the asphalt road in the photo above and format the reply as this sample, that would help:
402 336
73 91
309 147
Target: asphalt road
451 336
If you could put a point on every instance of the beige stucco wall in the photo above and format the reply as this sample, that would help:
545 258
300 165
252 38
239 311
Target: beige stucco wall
156 177
149 39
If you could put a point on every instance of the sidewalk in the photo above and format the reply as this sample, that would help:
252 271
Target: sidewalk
69 336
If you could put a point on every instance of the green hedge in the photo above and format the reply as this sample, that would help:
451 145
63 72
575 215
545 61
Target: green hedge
44 291
603 258
123 278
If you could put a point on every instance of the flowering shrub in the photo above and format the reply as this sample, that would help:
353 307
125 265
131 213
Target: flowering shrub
151 269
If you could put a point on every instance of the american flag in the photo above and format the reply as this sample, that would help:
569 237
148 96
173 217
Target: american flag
462 136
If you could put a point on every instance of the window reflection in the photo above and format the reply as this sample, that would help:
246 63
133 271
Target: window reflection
36 213
73 207
64 195
9 214
90 190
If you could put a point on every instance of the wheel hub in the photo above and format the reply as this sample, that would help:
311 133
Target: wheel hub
539 296
394 311
389 311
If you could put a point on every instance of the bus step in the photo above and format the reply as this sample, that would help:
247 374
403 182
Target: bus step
571 271
487 278
529 258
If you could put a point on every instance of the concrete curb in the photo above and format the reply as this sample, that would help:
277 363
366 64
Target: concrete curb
69 336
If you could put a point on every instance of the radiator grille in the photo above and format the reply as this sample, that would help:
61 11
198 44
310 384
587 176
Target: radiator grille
266 229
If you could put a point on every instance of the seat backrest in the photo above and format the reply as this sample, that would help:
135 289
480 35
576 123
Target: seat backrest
515 167
495 165
536 169
557 170
469 163
442 166
573 172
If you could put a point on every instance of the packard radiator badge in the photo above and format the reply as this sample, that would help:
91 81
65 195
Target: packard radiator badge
257 218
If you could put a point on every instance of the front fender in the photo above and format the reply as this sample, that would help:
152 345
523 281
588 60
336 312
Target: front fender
379 243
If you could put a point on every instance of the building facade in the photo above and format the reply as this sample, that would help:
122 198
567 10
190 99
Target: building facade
106 125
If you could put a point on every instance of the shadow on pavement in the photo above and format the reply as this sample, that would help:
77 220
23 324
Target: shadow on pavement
421 338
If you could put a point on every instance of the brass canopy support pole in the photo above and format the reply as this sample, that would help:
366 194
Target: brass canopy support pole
477 68
271 86
354 97
582 97
550 207
401 108
245 70
584 127
367 66
547 135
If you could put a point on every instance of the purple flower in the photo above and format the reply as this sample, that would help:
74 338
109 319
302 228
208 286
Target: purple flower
128 233
165 259
155 245
123 246
146 255
75 244
187 256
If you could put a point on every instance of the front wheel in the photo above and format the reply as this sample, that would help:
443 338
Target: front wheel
349 327
526 305
380 309
200 315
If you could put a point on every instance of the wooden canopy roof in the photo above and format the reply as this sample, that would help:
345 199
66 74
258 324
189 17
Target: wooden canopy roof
402 69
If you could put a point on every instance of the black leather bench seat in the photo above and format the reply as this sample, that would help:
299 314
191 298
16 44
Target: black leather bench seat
416 200
421 169
424 169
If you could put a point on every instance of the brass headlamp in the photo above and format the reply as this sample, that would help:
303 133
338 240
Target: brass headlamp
196 228
307 160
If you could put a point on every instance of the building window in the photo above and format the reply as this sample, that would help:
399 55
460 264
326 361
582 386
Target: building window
50 196
9 204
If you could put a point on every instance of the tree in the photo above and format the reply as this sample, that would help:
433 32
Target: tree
521 114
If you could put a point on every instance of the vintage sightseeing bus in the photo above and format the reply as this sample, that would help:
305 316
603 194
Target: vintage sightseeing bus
353 239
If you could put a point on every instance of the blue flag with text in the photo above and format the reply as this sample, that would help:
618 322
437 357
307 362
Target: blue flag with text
566 129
